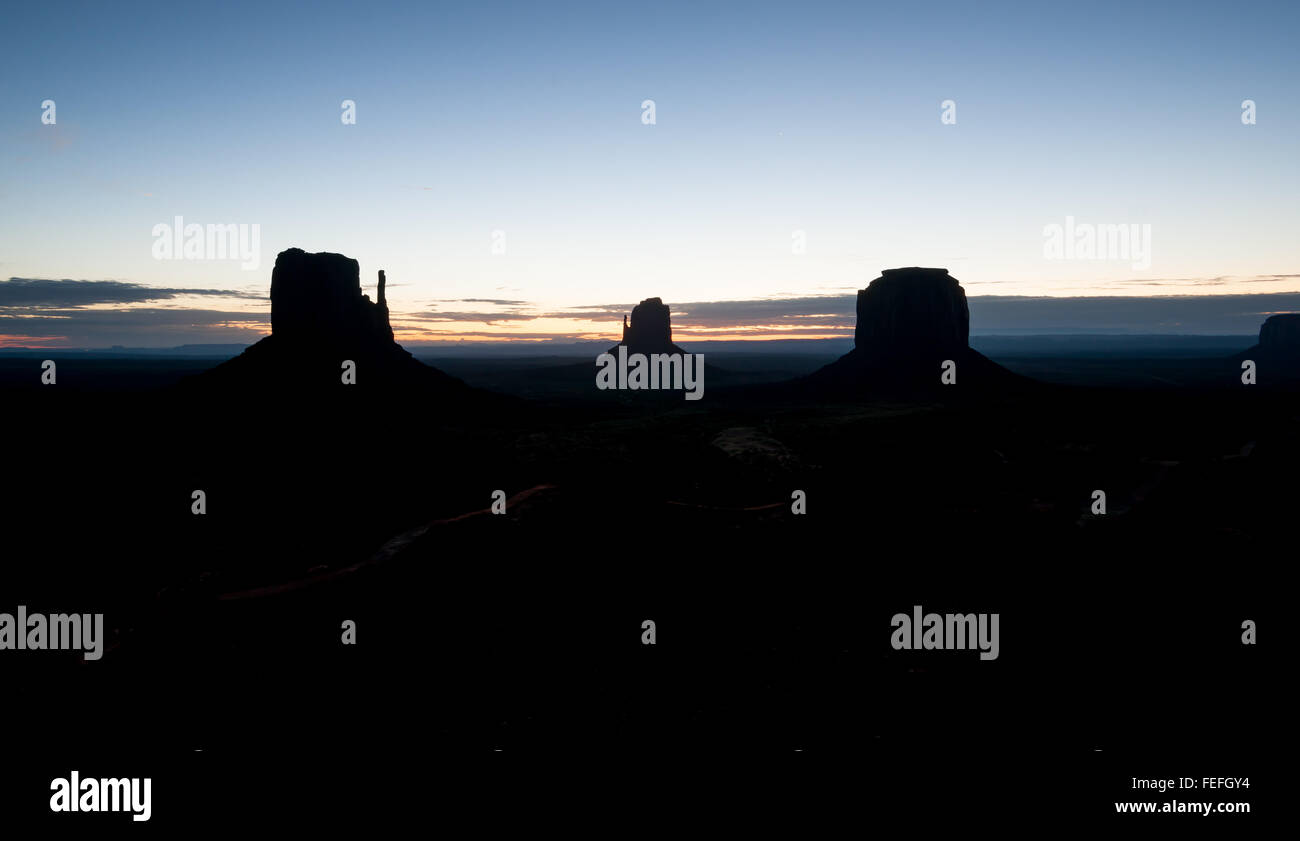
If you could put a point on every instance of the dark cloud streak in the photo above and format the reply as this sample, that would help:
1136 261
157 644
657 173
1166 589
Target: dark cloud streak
41 292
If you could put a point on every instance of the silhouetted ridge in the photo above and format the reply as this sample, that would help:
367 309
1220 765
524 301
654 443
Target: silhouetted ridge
650 329
1281 334
909 322
1278 351
912 311
319 320
317 298
1279 337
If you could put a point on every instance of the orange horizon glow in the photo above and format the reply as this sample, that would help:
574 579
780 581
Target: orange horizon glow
14 341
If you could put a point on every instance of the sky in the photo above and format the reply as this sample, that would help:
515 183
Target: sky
503 171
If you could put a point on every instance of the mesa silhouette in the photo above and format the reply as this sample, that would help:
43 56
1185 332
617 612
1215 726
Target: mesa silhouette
320 319
650 330
909 322
1278 353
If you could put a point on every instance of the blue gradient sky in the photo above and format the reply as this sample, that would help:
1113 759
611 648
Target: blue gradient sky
770 119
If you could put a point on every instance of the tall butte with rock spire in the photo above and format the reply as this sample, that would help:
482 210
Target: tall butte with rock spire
320 320
650 329
911 322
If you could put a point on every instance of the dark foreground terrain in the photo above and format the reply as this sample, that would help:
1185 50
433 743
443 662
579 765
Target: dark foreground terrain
480 631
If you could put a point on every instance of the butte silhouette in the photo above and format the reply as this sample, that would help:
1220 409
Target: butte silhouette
910 323
320 320
1278 351
650 329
